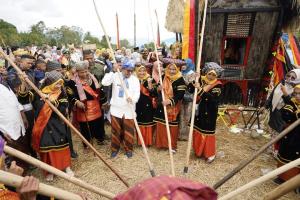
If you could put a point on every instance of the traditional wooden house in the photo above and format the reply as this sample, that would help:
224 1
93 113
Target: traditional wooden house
239 35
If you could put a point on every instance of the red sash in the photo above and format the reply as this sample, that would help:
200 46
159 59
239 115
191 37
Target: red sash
173 111
41 122
92 107
90 90
146 92
209 88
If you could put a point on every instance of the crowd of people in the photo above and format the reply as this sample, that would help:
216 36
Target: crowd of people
96 87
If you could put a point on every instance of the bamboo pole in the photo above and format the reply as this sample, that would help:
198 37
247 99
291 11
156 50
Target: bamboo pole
35 162
284 188
134 25
262 179
118 33
188 151
163 96
63 117
150 165
13 180
261 150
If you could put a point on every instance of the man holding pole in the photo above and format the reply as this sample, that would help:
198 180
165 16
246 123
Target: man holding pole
121 115
87 98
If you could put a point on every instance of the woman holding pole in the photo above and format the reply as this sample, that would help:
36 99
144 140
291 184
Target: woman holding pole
49 134
289 146
209 90
144 106
174 88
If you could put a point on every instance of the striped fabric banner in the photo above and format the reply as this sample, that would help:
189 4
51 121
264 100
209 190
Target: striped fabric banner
295 50
188 46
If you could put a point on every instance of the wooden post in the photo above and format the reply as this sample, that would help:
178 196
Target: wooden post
188 151
151 169
262 179
35 162
13 180
63 117
261 150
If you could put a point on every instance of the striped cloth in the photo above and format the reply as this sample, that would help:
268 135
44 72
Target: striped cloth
168 188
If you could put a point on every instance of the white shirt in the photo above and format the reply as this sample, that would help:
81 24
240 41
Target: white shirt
11 121
119 105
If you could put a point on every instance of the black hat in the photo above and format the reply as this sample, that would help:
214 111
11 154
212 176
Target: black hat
52 65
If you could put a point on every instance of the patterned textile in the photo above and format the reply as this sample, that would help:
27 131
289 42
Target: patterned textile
168 188
122 132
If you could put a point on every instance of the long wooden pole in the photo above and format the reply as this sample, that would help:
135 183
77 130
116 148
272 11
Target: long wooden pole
151 169
262 179
118 33
284 188
163 96
158 32
261 150
134 24
188 151
35 162
63 118
13 180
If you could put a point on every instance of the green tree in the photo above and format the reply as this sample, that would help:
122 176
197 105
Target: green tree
149 45
70 35
88 38
125 43
8 34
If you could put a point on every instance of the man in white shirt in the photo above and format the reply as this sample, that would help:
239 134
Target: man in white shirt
12 126
122 109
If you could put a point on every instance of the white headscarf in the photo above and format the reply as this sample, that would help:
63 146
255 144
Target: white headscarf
277 101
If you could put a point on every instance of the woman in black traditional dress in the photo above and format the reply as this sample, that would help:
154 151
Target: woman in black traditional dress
144 107
289 146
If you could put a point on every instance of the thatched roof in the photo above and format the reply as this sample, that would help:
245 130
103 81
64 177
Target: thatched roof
291 19
174 16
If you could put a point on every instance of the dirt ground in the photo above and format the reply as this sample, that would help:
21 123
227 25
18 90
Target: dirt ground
232 148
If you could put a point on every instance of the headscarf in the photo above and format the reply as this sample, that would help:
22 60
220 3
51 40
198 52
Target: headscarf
128 64
190 67
167 82
173 77
82 65
294 99
166 187
277 101
51 79
137 69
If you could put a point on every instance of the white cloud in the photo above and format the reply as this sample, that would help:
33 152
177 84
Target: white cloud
24 13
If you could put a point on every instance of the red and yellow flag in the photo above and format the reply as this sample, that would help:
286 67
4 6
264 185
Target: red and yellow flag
188 46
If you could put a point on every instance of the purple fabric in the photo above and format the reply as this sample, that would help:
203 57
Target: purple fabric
172 188
2 142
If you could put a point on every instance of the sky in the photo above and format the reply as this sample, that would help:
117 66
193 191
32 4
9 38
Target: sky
24 13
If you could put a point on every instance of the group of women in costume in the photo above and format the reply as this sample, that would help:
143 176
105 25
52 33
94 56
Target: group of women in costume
178 85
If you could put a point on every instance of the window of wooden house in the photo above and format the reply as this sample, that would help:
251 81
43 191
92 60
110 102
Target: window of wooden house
234 51
237 38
